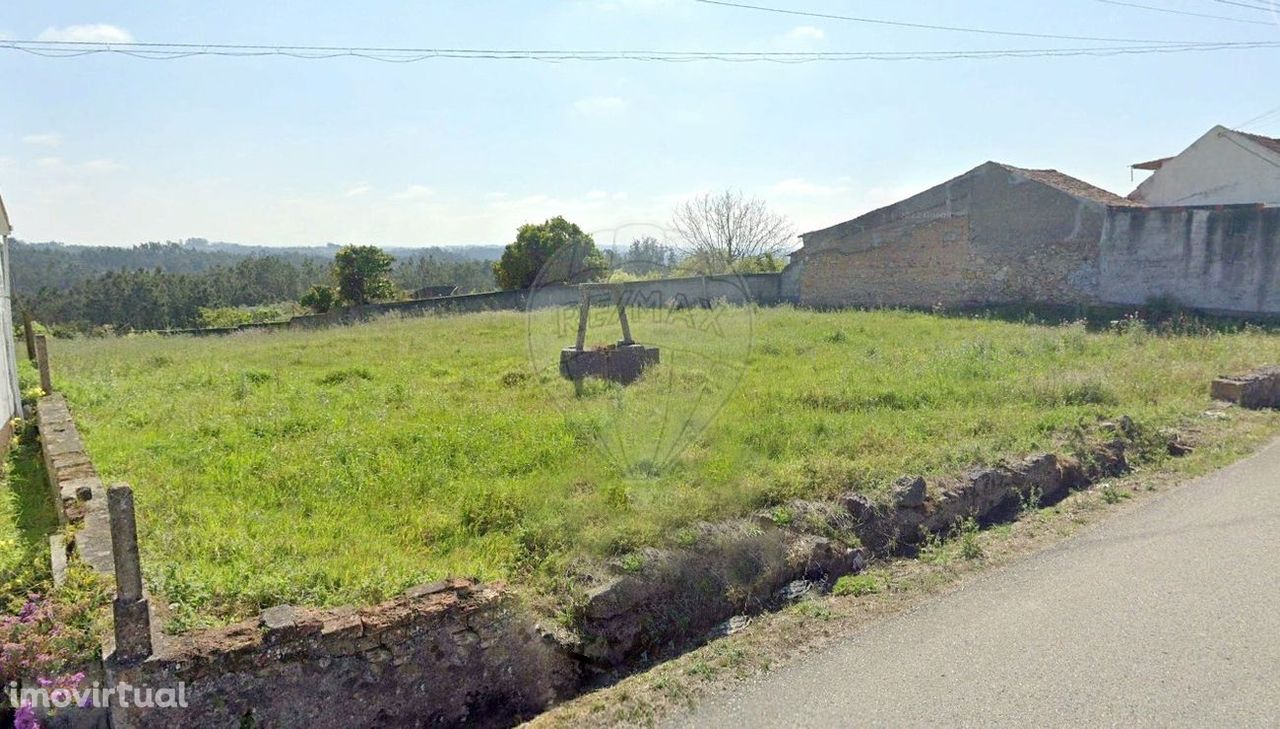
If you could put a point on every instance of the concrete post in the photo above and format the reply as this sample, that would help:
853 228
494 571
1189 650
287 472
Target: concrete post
584 312
620 292
29 333
130 608
42 361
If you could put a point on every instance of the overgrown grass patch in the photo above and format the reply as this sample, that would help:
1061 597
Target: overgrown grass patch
344 465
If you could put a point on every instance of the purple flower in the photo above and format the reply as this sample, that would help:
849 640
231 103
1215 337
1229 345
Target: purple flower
25 717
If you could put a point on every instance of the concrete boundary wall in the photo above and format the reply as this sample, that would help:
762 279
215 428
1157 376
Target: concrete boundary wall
762 289
1223 259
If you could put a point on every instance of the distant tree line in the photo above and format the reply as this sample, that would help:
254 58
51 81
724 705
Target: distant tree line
176 287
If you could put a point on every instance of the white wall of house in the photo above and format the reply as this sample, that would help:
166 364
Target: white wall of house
10 394
1222 168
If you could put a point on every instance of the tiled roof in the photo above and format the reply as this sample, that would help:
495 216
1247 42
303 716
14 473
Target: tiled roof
1153 165
1073 186
1270 143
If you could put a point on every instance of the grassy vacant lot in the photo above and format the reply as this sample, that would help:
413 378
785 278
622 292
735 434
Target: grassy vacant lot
343 465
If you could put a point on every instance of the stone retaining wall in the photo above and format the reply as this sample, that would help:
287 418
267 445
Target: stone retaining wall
77 492
676 598
444 654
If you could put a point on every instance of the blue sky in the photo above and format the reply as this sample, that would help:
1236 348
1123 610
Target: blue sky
112 149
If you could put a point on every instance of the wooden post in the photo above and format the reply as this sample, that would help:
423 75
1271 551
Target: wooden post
29 333
620 295
584 311
42 361
130 609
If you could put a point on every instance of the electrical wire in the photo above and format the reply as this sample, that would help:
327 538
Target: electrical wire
1258 118
174 51
930 26
1272 8
1189 13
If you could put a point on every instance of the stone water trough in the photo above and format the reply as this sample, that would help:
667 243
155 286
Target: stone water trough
622 362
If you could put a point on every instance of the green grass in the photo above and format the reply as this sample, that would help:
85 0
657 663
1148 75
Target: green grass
27 519
343 465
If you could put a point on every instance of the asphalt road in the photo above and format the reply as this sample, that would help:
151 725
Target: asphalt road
1165 615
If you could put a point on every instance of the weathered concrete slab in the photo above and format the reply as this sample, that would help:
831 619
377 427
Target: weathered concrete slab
1254 390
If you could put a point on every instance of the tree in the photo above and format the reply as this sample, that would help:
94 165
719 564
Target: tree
648 256
319 299
572 252
729 232
363 274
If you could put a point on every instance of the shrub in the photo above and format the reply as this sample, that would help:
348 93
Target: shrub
857 585
337 377
319 299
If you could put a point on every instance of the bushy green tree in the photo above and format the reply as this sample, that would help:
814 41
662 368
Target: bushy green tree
319 299
572 252
363 274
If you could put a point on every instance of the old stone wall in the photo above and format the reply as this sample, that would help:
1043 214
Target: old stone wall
1220 259
992 235
923 264
445 654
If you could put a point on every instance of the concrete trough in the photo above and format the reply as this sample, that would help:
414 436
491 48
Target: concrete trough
622 362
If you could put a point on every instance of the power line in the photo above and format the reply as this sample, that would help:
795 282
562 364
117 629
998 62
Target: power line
1171 11
1258 118
1264 8
174 51
930 26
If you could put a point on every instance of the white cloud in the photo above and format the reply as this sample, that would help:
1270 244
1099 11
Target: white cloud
805 33
597 195
87 33
414 192
49 162
600 106
44 139
800 187
103 165
358 190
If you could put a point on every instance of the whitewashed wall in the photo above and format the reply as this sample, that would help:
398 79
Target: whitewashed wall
1221 168
10 394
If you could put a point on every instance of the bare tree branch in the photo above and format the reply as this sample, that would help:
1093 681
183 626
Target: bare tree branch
721 231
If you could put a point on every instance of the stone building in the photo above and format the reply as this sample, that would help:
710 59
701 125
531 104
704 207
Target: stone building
1223 167
995 234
